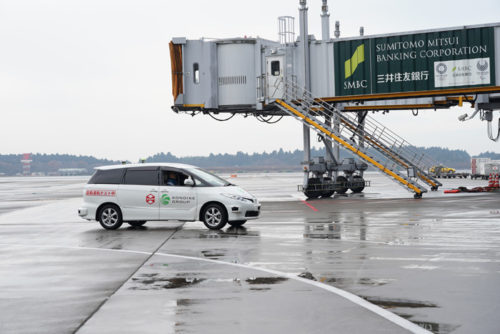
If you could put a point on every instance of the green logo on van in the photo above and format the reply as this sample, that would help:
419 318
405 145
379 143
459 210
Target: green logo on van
165 199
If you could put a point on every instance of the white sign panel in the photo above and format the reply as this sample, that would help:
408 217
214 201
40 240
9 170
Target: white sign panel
465 72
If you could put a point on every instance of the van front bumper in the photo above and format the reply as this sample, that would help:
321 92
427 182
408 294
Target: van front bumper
243 211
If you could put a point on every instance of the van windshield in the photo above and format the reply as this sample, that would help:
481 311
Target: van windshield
209 178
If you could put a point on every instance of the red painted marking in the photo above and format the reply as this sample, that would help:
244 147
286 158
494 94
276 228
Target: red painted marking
150 199
310 206
111 193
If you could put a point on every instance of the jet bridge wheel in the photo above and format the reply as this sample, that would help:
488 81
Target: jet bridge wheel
327 193
417 196
313 184
341 184
358 184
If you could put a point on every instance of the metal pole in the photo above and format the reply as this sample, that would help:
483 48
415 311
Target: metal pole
336 120
304 68
361 121
325 34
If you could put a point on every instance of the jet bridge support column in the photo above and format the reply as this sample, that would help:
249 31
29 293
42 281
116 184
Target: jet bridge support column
305 70
361 126
325 35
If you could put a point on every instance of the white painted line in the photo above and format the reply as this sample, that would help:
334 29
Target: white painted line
347 295
79 248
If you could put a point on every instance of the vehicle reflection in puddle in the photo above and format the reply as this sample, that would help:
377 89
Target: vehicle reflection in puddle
230 232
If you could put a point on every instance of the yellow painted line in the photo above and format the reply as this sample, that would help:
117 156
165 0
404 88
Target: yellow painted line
491 89
194 105
349 147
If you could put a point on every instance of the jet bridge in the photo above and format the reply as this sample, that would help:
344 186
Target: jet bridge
331 84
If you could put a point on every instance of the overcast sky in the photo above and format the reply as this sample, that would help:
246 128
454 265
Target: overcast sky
92 77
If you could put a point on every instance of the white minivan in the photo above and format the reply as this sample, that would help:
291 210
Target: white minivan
137 193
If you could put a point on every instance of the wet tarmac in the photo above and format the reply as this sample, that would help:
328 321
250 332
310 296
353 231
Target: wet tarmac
378 262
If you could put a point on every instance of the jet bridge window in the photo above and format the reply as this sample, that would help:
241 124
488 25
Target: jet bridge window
275 68
196 73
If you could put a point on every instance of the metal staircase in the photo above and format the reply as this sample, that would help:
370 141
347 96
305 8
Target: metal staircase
394 156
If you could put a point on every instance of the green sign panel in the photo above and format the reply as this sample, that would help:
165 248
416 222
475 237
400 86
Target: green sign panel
417 62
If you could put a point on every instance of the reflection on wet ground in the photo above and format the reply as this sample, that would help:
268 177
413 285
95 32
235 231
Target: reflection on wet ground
391 303
265 280
433 261
156 282
433 327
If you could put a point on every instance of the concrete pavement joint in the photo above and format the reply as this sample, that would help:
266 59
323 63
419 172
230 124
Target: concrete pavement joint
342 293
126 280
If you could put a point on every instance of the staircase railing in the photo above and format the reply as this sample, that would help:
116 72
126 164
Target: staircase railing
398 152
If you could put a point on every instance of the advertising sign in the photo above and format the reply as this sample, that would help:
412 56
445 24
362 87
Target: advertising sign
415 62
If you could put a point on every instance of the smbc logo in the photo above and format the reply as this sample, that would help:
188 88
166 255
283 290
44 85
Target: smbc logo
350 67
165 199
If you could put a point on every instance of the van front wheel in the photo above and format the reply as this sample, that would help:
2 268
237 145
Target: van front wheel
110 217
214 216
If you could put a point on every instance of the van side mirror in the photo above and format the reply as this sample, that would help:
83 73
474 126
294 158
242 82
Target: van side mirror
189 182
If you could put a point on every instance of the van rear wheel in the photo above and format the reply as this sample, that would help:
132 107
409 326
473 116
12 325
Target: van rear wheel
214 216
110 217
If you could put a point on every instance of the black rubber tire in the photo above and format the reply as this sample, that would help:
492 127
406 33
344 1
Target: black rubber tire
328 193
236 223
137 223
417 196
110 217
214 216
311 193
358 184
343 180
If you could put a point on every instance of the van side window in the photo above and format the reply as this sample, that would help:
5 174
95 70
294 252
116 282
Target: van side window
196 73
275 68
173 178
139 176
107 176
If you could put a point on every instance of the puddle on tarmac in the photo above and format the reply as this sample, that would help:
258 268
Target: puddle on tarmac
345 281
433 327
394 302
260 289
214 253
189 302
231 232
265 280
155 282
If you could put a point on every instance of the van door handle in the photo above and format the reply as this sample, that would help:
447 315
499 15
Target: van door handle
154 190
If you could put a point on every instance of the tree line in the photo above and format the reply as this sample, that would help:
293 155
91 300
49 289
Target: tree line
278 160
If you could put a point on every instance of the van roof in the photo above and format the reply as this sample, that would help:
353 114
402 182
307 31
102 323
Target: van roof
154 164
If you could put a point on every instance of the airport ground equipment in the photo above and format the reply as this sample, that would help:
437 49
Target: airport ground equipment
331 84
396 158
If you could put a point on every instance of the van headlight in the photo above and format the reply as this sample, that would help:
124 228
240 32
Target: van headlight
238 198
